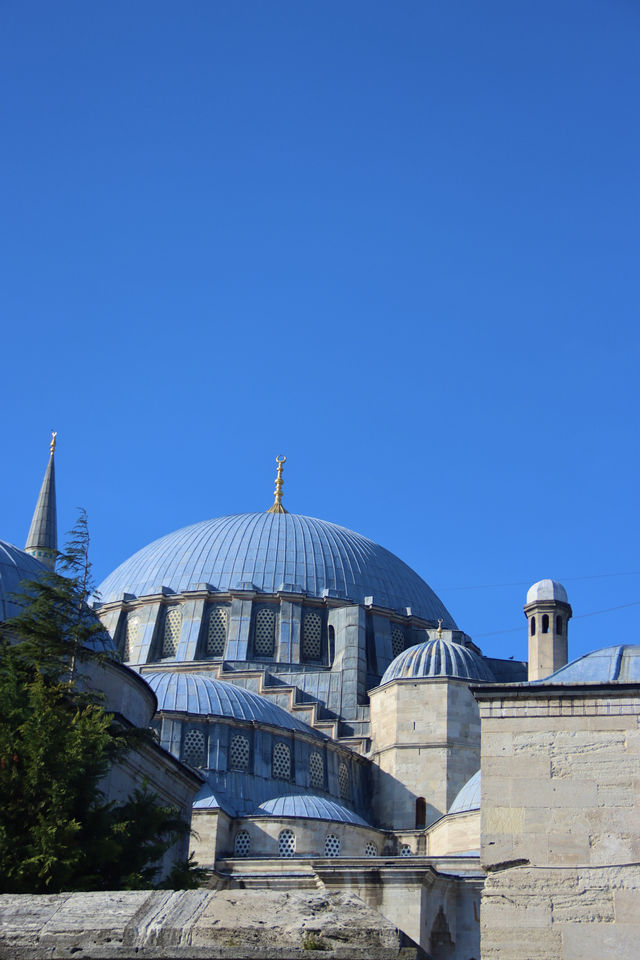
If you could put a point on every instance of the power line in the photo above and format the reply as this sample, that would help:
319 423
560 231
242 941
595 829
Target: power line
579 616
525 583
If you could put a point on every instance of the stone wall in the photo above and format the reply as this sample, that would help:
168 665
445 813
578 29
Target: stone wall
560 822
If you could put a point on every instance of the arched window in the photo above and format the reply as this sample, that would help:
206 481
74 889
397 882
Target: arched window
193 748
239 753
397 639
265 636
371 850
287 843
545 623
344 784
281 763
332 645
559 626
171 632
241 844
130 636
533 625
421 813
332 846
216 632
316 770
311 636
406 851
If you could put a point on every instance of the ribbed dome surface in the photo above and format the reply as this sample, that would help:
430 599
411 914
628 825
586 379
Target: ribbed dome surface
205 696
15 566
617 664
276 551
437 658
311 807
470 796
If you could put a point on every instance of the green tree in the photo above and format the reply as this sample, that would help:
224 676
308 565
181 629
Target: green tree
57 742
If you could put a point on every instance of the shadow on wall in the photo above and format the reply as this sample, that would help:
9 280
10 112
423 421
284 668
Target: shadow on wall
394 807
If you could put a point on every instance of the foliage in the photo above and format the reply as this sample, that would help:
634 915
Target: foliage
57 743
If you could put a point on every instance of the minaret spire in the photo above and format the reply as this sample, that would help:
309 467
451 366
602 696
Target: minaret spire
42 541
277 493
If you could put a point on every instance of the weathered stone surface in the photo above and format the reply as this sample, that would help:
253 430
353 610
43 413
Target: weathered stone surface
196 924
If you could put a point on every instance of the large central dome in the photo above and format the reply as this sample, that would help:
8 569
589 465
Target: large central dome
273 552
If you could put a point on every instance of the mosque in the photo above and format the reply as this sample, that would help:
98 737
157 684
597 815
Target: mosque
329 724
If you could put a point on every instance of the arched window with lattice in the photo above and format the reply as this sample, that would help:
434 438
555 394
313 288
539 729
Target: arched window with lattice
370 850
332 846
241 844
239 753
316 770
287 843
281 762
193 748
171 632
131 630
265 632
216 631
344 781
311 635
397 639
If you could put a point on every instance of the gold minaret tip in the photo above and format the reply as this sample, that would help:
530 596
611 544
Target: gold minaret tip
52 445
277 493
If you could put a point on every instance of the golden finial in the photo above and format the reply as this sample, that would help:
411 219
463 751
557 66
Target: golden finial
52 445
277 493
440 628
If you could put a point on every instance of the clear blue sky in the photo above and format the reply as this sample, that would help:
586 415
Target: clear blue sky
397 242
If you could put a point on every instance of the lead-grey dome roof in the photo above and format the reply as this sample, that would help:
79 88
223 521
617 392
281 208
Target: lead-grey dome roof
437 658
309 806
15 566
470 796
274 552
547 590
617 664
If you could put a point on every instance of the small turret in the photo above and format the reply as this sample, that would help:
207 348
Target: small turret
42 541
548 612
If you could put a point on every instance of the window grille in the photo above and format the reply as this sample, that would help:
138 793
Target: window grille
287 843
397 639
406 850
265 632
332 846
239 753
171 632
316 770
241 844
311 636
130 636
193 748
216 632
371 850
343 782
281 766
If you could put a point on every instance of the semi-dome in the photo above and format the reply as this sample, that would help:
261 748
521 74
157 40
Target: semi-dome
203 695
15 566
272 552
437 658
470 797
617 664
547 590
309 806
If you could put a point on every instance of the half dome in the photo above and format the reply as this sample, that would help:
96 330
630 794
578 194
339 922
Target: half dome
437 658
470 797
617 664
272 552
308 806
203 695
15 566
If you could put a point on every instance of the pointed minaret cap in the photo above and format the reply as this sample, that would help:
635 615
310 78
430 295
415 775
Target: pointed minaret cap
42 541
277 493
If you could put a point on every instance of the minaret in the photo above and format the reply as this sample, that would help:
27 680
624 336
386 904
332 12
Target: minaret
42 541
277 493
548 612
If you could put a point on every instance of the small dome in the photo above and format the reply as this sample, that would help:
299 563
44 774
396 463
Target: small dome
308 806
618 664
15 566
272 552
470 796
547 590
204 696
437 658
